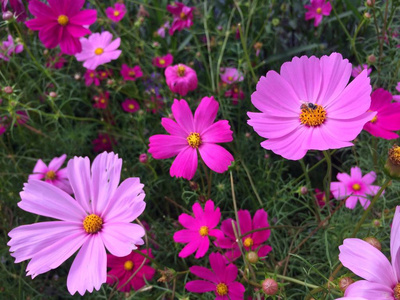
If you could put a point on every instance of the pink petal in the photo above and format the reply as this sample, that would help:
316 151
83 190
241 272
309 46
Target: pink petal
39 170
185 164
369 290
227 228
190 248
113 46
185 236
211 215
339 190
50 35
245 223
84 17
77 31
41 10
219 132
270 126
218 265
264 250
200 286
38 24
215 157
79 177
351 202
260 220
236 291
231 273
377 131
188 222
369 178
380 98
57 162
395 243
357 174
183 115
173 128
205 113
204 273
203 247
166 146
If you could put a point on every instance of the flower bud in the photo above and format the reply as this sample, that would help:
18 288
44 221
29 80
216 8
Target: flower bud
143 158
376 223
252 257
367 15
193 185
370 3
53 94
344 283
303 190
7 15
392 166
373 242
269 286
8 89
77 76
371 59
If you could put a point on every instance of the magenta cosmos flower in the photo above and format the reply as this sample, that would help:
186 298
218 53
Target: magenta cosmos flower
220 280
129 73
181 79
231 75
163 61
355 187
317 9
104 142
309 107
252 241
117 12
358 69
53 173
99 218
122 269
387 118
8 48
198 229
382 279
63 23
101 100
98 49
190 135
183 16
130 105
91 76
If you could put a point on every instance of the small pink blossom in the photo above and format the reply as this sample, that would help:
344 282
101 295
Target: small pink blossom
130 105
181 79
161 30
143 158
117 12
163 61
236 93
183 17
104 142
56 62
101 100
21 117
129 73
104 74
8 48
358 69
91 77
316 10
231 75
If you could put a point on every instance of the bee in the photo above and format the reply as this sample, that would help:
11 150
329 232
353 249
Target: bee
308 106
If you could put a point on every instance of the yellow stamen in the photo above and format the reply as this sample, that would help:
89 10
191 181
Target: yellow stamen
396 291
132 73
116 13
104 141
92 223
313 116
62 20
161 61
91 75
51 175
374 119
128 265
203 231
222 289
230 78
131 106
102 100
356 187
248 242
183 16
181 70
394 154
98 51
319 10
194 140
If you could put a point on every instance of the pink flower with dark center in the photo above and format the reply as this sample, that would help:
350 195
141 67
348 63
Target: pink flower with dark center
104 142
355 187
387 118
99 218
251 241
63 23
309 107
235 93
18 8
104 74
8 48
98 49
53 173
317 9
183 17
117 12
130 105
122 269
220 280
231 75
129 73
382 278
101 100
181 79
91 77
357 70
163 61
189 136
198 229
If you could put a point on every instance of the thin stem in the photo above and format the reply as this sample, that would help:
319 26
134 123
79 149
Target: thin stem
328 176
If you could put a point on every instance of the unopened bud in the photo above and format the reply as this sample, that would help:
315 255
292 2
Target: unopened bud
370 3
77 76
7 15
303 190
269 286
373 242
371 59
367 15
53 94
202 199
8 89
45 52
143 158
252 257
193 185
376 223
344 283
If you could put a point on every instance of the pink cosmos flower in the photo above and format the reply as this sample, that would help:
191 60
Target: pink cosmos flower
199 228
104 142
320 197
317 9
220 280
161 30
309 107
252 241
397 97
104 74
181 79
53 173
231 75
183 17
387 118
190 135
130 105
91 77
98 49
21 117
357 70
63 23
56 62
235 93
381 277
99 217
8 48
101 100
355 187
17 6
163 61
117 12
122 269
129 73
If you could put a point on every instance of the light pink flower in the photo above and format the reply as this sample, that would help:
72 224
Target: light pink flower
198 229
8 48
129 73
190 135
358 69
63 23
220 280
53 173
130 105
309 107
163 61
381 277
98 49
181 79
91 77
317 9
99 218
355 187
231 75
117 12
387 118
183 16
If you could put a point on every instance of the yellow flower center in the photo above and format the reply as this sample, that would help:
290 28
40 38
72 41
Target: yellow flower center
92 223
319 10
62 20
235 90
222 289
91 75
183 16
161 61
394 154
98 51
230 78
132 73
356 187
116 13
194 140
131 106
396 291
102 100
128 265
374 119
181 70
314 116
248 242
203 231
51 175
104 141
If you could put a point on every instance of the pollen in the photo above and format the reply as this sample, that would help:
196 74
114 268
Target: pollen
131 106
248 242
313 116
394 155
91 75
92 223
62 20
116 13
222 289
319 10
181 70
356 187
183 16
128 265
396 291
162 61
203 231
132 73
50 175
230 78
374 119
194 140
99 51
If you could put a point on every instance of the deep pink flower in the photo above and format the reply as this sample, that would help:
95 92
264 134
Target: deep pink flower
122 269
104 74
53 173
183 16
181 79
309 107
99 217
101 100
56 62
91 77
104 142
143 158
381 277
8 48
117 12
231 75
220 280
235 93
98 49
358 69
17 7
355 187
198 229
320 197
163 61
63 23
252 241
317 9
21 117
3 124
129 73
190 135
387 118
130 105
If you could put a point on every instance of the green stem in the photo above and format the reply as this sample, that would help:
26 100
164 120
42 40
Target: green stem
328 176
290 279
